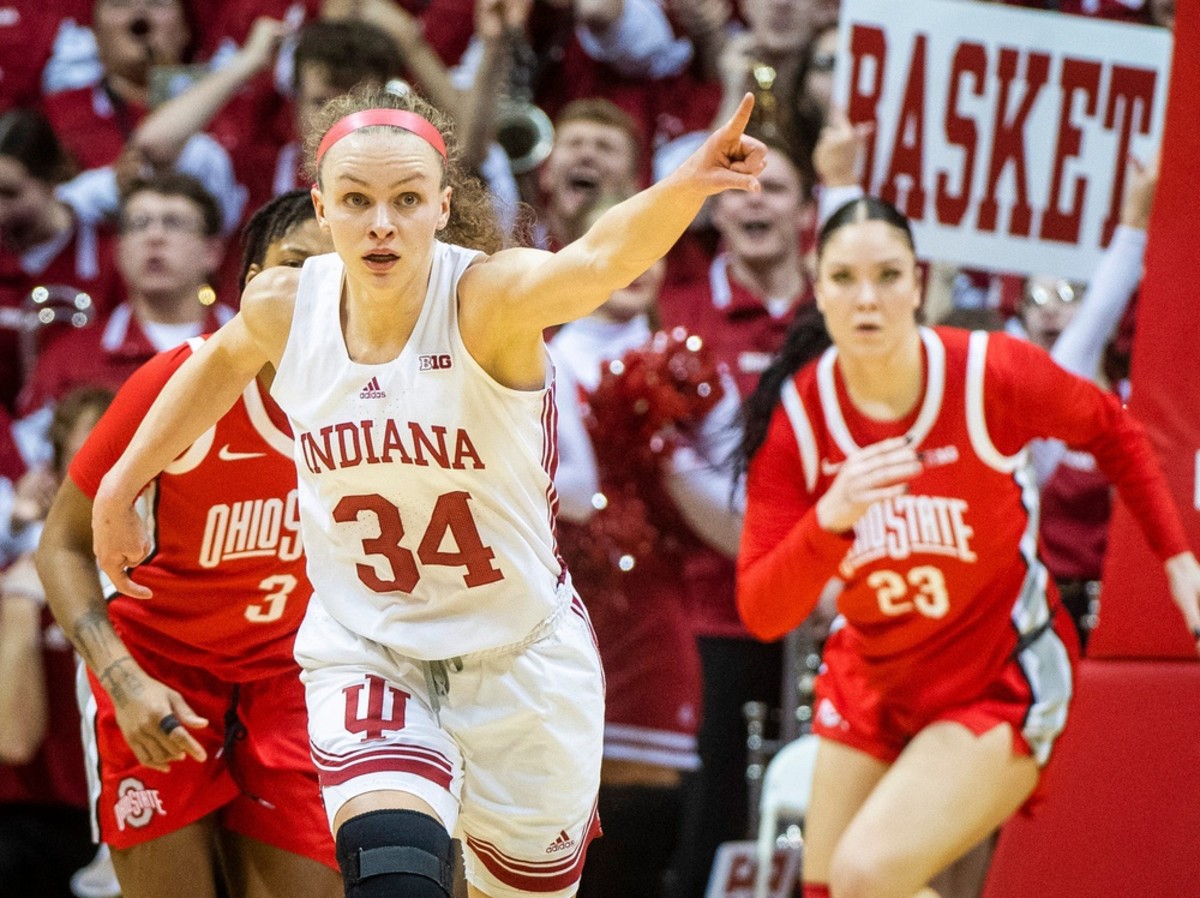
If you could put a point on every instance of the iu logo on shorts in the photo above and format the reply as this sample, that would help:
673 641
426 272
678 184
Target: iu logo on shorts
374 722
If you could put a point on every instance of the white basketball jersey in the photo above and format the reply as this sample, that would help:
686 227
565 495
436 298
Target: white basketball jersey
427 497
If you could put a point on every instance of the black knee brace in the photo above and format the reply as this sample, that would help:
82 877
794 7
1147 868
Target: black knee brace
395 852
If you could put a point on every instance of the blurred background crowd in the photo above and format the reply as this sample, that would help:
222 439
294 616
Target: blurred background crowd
138 136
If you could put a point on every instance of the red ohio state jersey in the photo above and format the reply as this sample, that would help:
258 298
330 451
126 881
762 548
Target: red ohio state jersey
227 566
944 581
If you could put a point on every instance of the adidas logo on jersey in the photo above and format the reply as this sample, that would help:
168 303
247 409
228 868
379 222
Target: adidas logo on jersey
372 390
562 843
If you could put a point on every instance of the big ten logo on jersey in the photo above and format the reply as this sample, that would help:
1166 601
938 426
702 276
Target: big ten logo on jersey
439 362
252 528
905 525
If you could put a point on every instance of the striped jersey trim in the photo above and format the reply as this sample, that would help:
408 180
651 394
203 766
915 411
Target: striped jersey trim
981 440
802 427
553 875
335 770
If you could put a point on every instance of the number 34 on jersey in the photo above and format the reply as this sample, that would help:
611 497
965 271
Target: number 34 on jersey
451 519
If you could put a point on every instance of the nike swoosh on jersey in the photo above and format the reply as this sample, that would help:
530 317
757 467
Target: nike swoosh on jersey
227 454
830 468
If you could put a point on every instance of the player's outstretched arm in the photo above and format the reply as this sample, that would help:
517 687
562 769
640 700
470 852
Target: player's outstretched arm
193 400
533 289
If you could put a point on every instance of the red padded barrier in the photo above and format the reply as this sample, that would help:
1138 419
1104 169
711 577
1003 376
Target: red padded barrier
1122 813
1137 617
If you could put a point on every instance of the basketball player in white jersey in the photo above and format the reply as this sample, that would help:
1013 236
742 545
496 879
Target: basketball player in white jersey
452 680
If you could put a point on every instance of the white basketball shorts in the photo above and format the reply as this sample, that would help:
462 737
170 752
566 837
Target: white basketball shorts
508 756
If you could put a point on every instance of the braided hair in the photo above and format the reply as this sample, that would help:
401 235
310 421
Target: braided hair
270 223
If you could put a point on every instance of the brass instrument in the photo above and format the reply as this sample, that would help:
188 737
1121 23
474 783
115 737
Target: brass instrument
523 130
766 105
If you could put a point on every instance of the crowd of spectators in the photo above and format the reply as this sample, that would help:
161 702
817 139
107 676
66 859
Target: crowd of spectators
137 137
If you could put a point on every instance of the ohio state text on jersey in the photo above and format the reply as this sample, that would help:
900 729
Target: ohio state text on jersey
227 565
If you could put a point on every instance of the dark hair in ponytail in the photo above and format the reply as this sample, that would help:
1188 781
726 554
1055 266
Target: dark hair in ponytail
806 337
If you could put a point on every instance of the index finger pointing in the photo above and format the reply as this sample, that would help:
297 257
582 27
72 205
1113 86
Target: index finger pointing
736 126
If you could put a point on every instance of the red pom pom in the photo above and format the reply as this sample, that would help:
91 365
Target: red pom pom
644 406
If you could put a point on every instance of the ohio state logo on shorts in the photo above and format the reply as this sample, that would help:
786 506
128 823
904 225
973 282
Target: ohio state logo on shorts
136 805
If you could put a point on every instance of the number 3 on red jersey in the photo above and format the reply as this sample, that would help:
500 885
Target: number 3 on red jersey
450 513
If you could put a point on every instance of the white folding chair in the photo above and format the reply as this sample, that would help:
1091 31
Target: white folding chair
786 789
97 879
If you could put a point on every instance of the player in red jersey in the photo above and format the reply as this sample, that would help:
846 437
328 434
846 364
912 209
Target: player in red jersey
204 670
43 243
897 463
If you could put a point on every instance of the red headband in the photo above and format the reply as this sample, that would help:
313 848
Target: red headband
396 118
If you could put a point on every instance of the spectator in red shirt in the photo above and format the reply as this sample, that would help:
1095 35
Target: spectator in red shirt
258 126
95 123
745 301
766 56
445 23
628 53
168 248
42 242
228 27
27 39
595 154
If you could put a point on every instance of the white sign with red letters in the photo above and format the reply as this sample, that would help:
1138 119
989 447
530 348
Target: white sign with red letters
736 864
1002 132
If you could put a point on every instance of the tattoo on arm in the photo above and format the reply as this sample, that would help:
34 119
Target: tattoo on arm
93 634
120 682
103 652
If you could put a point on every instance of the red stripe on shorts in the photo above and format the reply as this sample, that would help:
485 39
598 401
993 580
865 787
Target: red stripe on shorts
537 876
392 759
